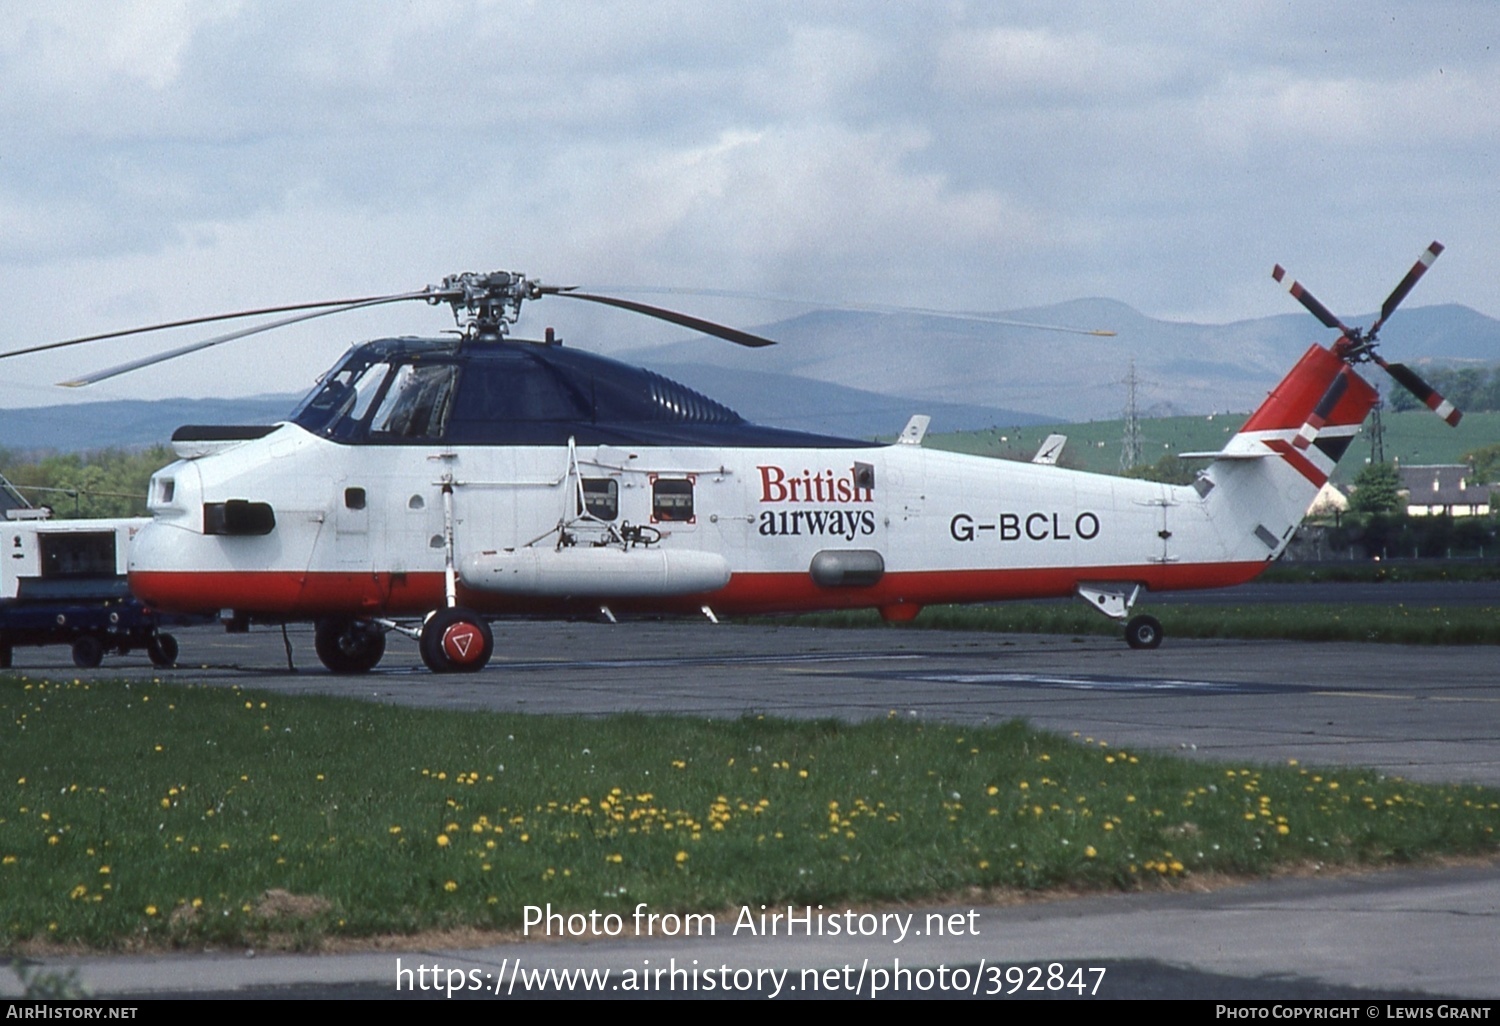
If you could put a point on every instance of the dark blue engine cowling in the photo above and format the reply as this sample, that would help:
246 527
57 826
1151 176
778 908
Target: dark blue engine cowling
405 391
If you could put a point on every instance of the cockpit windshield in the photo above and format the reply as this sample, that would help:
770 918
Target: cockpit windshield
332 399
409 400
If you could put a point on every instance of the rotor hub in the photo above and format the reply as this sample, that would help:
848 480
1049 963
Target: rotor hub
485 305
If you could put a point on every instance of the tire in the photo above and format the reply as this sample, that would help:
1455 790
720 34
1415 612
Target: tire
456 641
5 655
162 650
1143 632
88 652
348 646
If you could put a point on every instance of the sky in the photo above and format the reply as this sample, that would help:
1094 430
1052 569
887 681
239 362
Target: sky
166 159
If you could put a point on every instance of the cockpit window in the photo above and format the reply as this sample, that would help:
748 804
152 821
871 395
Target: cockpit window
416 403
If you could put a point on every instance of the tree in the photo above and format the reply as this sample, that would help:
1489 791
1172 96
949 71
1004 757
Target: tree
1486 464
1376 489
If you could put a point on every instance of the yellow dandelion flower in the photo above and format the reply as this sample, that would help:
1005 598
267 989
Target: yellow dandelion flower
681 857
150 910
442 840
451 886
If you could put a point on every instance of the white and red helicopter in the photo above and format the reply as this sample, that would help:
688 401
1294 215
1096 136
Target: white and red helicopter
431 485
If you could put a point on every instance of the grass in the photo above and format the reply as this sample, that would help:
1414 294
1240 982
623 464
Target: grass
1392 570
165 815
1413 436
1396 624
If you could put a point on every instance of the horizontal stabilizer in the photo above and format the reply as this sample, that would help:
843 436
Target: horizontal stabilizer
1225 455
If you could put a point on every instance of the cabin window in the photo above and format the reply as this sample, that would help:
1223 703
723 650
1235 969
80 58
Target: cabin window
601 497
354 498
672 499
417 402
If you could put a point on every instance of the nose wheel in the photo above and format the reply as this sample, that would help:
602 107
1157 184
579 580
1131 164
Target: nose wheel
456 641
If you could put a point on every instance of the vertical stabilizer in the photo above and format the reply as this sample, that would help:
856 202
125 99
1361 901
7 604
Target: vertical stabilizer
1261 484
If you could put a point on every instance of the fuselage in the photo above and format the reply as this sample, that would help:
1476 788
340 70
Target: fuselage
349 510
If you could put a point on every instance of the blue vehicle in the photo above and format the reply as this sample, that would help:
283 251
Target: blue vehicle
62 582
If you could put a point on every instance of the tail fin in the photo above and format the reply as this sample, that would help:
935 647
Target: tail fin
1261 484
1309 419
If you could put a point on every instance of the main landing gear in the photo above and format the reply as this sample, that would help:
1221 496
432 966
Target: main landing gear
348 646
1114 600
456 640
452 640
1143 632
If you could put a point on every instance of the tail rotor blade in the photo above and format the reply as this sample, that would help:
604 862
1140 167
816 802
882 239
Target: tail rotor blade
1320 414
1308 300
1413 383
1412 277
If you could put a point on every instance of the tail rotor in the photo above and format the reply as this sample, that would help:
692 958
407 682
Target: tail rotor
1357 345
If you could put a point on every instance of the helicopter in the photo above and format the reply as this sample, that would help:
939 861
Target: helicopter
428 486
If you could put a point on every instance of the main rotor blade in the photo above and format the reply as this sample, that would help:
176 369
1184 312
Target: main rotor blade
1412 277
349 303
861 308
1308 300
1414 384
743 338
172 354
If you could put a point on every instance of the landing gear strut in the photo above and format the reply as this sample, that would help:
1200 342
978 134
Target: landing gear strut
1114 599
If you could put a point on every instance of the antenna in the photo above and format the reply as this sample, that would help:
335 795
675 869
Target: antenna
1377 433
1130 445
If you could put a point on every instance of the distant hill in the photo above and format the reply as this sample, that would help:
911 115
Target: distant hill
128 423
863 373
775 399
1183 367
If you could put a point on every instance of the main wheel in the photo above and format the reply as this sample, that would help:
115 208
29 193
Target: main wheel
1143 632
5 655
348 646
456 641
162 649
88 651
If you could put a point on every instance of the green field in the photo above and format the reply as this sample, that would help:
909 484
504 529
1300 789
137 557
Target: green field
1414 437
161 815
1365 622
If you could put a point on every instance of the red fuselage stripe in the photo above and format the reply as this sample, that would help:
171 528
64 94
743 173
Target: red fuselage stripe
276 594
